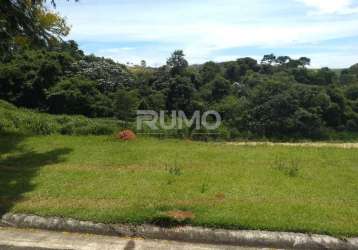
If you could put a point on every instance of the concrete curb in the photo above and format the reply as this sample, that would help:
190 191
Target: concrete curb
187 233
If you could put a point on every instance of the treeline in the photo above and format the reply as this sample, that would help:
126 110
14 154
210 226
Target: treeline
276 98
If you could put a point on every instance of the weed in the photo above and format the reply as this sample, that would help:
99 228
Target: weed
289 168
174 170
204 187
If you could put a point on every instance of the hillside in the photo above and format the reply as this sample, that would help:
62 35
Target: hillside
276 98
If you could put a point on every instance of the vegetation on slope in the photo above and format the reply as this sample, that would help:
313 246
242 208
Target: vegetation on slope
276 98
21 121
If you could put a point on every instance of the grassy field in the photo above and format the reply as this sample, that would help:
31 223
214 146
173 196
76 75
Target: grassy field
304 189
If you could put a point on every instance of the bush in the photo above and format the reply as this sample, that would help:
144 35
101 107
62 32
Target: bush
352 125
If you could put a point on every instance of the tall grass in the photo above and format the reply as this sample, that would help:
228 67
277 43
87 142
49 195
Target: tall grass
22 121
15 120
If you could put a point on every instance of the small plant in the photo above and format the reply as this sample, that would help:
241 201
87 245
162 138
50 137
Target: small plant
289 168
204 187
293 170
170 181
174 170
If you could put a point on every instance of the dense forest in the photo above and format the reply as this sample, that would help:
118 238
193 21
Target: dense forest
277 97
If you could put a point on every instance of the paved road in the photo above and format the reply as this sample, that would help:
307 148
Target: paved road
24 239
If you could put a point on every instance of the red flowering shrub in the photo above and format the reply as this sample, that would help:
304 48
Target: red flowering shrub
126 135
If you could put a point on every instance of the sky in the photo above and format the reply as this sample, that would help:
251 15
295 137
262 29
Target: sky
215 30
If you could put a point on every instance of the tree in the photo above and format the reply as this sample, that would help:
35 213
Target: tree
280 109
155 101
108 74
177 63
248 64
268 59
230 108
282 60
354 68
78 95
306 123
233 72
28 23
271 109
126 104
335 114
302 75
352 92
220 88
180 95
70 47
325 76
209 71
350 75
29 75
293 64
304 61
347 77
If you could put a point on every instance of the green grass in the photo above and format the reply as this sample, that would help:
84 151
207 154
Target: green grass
243 187
15 120
22 121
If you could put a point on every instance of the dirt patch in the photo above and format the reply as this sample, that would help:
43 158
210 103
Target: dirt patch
173 218
181 215
220 196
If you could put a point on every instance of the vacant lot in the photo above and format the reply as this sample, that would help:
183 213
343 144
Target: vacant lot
306 189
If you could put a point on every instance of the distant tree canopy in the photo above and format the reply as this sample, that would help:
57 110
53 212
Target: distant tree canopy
278 98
